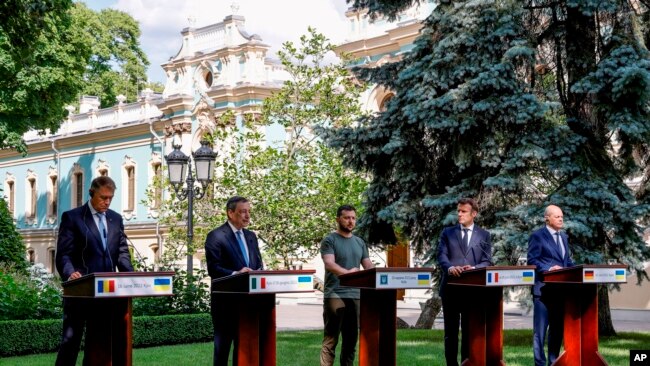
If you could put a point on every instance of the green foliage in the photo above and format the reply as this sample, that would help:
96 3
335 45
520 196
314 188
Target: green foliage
40 336
43 55
118 64
12 248
36 295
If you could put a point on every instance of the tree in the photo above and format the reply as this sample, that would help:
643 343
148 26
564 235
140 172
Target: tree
118 64
296 184
520 104
43 55
12 248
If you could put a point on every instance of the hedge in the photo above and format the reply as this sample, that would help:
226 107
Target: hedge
43 336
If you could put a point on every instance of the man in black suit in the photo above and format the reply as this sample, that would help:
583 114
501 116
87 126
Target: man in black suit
548 249
230 249
91 239
462 247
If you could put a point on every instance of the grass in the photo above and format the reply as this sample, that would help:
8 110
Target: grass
414 347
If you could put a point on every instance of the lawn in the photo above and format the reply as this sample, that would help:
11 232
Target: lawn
414 347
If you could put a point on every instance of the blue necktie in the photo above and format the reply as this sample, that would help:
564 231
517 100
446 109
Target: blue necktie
465 239
242 246
102 228
559 243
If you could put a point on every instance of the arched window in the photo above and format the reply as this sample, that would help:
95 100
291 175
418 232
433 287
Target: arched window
129 180
51 254
157 180
77 185
31 198
52 195
31 256
11 196
130 174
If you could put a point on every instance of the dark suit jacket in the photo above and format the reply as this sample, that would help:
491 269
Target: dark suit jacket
478 254
80 248
223 255
544 253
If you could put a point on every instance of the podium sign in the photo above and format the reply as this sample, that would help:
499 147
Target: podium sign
580 286
377 340
254 293
109 338
284 283
485 318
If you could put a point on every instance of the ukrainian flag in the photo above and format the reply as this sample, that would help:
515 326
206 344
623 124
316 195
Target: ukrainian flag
423 279
620 274
528 276
304 281
162 284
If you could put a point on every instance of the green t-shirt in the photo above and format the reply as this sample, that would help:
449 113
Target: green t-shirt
348 253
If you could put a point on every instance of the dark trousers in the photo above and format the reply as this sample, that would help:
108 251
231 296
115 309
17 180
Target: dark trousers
454 308
101 319
548 316
340 316
223 308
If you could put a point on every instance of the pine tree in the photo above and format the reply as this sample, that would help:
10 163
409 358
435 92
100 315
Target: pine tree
520 104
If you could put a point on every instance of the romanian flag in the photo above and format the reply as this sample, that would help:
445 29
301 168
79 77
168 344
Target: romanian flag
589 275
528 276
161 284
423 279
254 283
304 281
105 286
620 274
496 277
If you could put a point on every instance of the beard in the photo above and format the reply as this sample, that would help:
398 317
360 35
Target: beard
345 229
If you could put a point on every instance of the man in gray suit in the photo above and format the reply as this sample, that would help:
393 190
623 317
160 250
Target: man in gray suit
462 247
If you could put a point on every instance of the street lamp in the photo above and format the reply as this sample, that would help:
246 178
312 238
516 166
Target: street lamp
178 163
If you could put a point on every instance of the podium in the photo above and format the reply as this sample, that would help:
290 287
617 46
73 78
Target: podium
255 293
580 285
378 313
109 341
485 315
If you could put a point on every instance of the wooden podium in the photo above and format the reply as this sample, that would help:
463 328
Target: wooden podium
255 291
484 288
378 313
580 285
108 340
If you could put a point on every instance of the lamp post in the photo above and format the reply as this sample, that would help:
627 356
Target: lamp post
178 163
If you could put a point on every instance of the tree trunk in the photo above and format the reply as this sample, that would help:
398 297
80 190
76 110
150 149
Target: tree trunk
605 325
429 312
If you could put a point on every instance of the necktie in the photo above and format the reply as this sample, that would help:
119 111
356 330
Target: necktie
242 246
465 241
102 228
558 241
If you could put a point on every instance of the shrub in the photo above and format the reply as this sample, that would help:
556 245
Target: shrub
42 336
35 295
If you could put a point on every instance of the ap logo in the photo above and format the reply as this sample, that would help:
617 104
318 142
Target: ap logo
639 357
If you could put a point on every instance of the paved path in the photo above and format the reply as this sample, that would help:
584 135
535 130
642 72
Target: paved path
310 316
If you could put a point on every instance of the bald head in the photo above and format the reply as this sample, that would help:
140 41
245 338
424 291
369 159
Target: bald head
554 217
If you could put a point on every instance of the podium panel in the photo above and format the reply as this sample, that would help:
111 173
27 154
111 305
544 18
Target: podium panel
109 340
485 317
254 292
580 286
378 313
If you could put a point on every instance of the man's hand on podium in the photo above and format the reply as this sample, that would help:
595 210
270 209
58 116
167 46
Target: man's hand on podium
74 276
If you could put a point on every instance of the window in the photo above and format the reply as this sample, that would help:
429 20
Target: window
79 185
11 194
157 182
52 259
31 213
54 196
130 174
31 256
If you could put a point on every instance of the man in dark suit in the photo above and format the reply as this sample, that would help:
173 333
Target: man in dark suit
91 239
548 249
462 247
230 249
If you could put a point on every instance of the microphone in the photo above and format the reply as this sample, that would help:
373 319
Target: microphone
483 244
140 257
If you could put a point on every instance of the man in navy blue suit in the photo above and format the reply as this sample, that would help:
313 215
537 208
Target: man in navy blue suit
548 249
462 247
230 249
91 239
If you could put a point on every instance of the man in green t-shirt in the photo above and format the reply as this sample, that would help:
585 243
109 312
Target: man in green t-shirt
342 253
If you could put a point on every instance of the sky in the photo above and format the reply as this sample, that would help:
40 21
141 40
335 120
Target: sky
276 21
